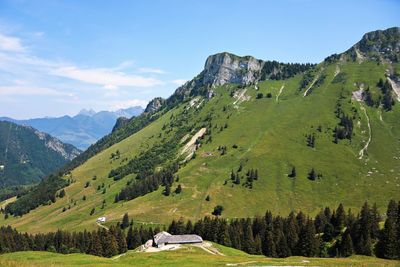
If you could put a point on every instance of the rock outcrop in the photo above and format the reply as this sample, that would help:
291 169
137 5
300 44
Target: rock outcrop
154 104
378 45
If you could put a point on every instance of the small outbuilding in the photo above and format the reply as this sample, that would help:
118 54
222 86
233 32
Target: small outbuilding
101 220
164 238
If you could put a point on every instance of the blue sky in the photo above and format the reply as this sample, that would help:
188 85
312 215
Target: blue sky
57 57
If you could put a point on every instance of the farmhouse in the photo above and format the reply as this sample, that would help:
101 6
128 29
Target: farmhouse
163 238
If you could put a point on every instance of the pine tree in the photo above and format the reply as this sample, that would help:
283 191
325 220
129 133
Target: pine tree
293 172
346 245
307 245
312 175
167 191
178 189
125 221
387 244
269 247
340 219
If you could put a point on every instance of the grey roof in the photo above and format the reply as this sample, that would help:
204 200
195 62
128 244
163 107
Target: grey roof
178 239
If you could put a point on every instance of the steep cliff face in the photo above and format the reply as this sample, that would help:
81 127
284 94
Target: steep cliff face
154 104
377 45
226 68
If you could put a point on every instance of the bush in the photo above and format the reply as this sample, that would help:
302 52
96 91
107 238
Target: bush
218 210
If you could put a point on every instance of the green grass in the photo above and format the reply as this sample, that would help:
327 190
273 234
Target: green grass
188 256
270 136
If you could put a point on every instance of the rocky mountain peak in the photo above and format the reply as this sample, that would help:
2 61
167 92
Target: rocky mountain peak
154 104
225 68
380 45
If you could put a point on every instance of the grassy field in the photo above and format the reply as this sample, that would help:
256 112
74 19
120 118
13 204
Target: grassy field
270 136
188 256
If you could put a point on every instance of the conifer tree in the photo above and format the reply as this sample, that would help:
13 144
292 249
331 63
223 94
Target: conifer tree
387 244
125 221
346 245
269 247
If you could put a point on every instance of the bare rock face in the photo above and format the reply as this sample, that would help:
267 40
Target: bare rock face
154 104
225 68
67 151
220 69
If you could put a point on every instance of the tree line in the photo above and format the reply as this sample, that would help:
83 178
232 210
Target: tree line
331 233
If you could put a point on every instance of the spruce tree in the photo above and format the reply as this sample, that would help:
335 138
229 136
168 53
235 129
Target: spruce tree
125 221
346 245
269 247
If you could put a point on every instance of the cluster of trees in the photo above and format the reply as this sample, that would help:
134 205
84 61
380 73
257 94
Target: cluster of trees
334 233
310 138
150 183
102 242
261 95
308 77
43 193
251 176
387 101
313 175
279 71
344 129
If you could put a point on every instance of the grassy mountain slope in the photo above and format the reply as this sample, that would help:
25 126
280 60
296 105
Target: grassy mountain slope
187 256
269 134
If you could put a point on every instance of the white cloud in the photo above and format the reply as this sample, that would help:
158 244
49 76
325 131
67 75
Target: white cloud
12 44
129 103
30 91
179 82
151 70
105 77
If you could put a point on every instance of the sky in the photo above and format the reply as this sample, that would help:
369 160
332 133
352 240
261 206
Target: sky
58 57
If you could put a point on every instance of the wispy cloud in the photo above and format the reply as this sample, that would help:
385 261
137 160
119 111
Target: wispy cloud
30 91
10 43
108 78
151 70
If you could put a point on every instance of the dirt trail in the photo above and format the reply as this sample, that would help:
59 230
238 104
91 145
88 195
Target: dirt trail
208 247
313 82
361 153
102 226
280 92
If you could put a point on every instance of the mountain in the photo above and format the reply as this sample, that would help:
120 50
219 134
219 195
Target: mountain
83 129
28 155
249 135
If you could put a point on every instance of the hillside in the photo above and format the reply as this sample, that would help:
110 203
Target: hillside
187 256
316 136
28 155
80 130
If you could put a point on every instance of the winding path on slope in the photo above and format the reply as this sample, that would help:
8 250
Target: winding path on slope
102 226
361 153
280 92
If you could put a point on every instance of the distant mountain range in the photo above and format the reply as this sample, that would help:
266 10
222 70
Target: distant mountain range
81 130
27 155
